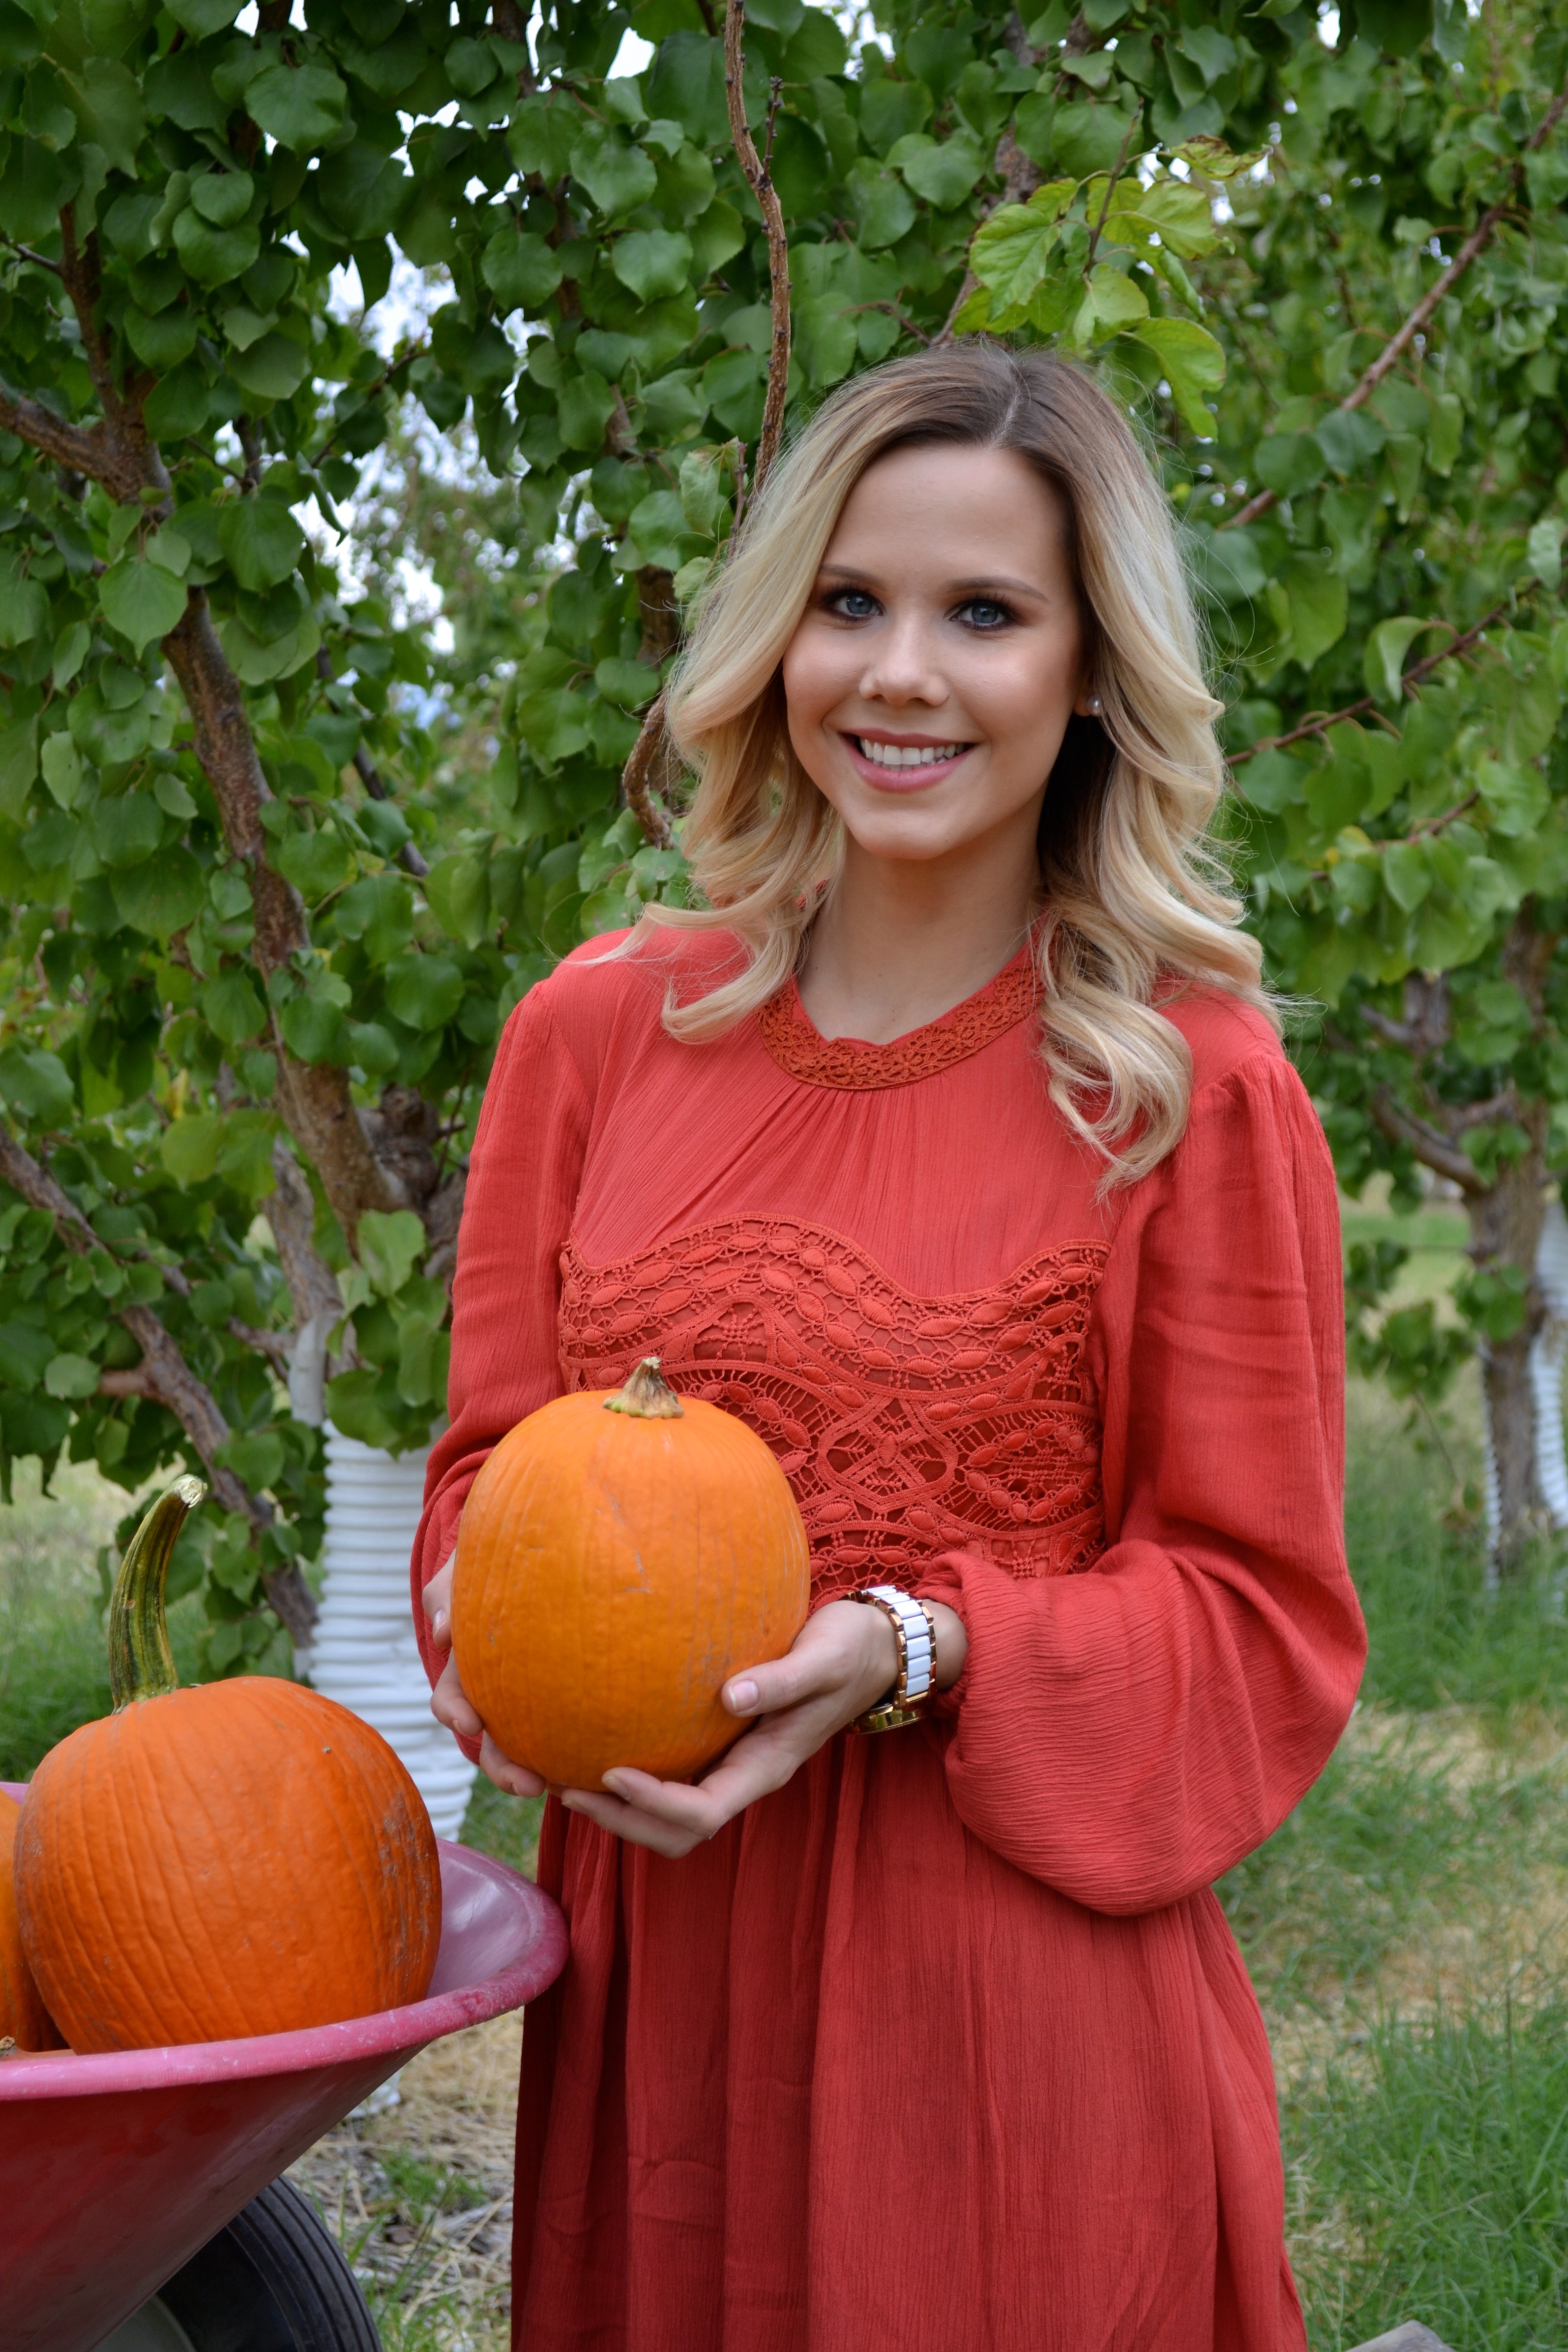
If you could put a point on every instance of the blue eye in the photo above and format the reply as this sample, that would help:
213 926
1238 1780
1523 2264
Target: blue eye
852 603
985 613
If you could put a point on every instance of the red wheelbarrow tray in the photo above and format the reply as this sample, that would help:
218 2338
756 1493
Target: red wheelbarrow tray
115 2167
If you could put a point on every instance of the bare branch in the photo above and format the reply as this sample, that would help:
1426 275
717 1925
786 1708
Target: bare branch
290 1210
1431 1148
637 774
1405 335
766 194
165 1376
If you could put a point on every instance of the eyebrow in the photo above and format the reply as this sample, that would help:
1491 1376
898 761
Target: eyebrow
982 582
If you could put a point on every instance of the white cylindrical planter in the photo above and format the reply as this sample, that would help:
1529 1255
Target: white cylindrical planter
365 1654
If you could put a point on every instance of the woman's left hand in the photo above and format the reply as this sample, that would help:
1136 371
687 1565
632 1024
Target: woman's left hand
843 1661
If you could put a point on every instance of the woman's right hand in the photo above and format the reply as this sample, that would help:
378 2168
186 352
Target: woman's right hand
451 1703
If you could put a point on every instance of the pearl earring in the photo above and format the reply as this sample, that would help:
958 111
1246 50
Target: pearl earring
1094 706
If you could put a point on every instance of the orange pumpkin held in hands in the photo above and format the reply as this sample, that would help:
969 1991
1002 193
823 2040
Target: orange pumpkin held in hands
243 1857
621 1554
22 2017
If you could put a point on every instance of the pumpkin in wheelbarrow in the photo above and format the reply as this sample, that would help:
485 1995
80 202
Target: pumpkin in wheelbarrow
238 1858
24 2019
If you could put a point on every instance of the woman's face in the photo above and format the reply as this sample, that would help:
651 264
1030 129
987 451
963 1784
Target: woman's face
931 679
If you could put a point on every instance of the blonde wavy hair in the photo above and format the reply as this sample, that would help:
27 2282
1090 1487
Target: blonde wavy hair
1135 902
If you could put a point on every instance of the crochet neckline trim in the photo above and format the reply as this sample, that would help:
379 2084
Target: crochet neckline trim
855 1067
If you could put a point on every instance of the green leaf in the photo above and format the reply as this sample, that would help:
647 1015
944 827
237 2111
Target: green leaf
62 770
355 1406
271 369
585 403
457 893
521 271
200 18
626 682
1193 364
1543 551
255 1456
213 256
313 1026
233 1009
25 1351
126 831
391 1244
423 991
223 197
18 766
178 406
1179 214
884 209
652 261
316 863
163 896
140 600
108 106
24 606
1383 664
299 106
1117 301
944 175
1086 138
1012 250
71 1376
618 176
1408 873
1318 605
36 1085
260 540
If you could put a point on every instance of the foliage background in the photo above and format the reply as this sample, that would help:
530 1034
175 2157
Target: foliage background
381 380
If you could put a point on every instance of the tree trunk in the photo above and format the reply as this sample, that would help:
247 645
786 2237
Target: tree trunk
1505 1229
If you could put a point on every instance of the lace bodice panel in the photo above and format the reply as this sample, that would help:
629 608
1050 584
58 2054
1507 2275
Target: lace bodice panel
907 1426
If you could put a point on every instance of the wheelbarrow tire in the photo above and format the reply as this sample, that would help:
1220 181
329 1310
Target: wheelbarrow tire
274 2281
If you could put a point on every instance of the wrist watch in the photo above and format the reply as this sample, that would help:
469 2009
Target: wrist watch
914 1630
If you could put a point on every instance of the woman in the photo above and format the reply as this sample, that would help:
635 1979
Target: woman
956 1152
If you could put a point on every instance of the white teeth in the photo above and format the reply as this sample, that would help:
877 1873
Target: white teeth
909 755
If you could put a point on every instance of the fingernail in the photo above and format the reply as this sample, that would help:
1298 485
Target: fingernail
742 1697
569 1803
439 1622
612 1781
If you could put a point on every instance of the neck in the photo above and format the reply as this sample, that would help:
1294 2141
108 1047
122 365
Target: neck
902 940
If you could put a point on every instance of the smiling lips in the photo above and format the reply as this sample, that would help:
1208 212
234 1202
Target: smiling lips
903 766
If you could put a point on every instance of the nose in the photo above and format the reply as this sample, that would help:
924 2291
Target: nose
901 665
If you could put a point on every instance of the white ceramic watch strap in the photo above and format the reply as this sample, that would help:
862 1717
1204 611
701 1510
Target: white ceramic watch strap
917 1661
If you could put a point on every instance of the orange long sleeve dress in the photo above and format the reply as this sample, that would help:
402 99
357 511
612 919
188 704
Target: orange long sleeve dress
946 2046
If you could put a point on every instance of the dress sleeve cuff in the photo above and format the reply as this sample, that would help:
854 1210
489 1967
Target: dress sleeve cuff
942 1580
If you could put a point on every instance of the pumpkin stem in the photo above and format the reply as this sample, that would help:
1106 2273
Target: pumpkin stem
140 1663
647 1395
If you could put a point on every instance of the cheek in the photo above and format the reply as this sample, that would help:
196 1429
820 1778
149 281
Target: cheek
812 682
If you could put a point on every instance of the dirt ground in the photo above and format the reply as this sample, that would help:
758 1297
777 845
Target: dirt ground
420 2194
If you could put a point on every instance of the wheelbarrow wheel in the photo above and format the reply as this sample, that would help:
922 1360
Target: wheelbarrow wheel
274 2281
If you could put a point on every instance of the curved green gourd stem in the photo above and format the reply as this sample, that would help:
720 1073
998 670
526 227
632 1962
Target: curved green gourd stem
140 1663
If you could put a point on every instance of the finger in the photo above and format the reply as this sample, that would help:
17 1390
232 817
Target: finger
515 1778
630 1823
450 1704
438 1599
785 1682
678 1802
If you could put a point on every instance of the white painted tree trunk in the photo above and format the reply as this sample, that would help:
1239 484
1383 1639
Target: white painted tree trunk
365 1654
1547 1353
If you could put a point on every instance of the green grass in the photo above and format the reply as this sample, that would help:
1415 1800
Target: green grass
1431 2184
507 1827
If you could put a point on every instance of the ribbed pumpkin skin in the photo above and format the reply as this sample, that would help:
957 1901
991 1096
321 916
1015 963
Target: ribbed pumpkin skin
242 1857
611 1573
22 2012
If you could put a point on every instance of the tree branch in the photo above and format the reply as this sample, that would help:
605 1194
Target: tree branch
165 1376
1400 340
1431 1148
314 1098
766 194
84 451
1412 678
